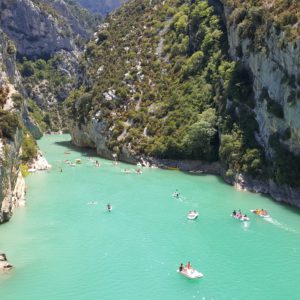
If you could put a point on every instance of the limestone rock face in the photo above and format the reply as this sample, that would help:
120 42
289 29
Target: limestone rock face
12 185
8 72
94 135
275 68
275 72
40 28
12 189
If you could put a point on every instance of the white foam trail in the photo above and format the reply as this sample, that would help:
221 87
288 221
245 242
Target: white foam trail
280 225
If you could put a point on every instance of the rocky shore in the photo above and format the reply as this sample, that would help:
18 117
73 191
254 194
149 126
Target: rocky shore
284 194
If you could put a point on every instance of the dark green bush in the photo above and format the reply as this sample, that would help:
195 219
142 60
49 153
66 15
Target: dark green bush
9 123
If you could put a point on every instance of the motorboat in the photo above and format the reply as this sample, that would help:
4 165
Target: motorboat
261 213
190 273
192 215
240 217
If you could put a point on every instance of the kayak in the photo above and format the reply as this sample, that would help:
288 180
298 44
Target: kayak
192 215
260 214
190 273
241 218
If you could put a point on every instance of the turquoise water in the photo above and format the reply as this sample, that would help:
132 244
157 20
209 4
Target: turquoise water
63 247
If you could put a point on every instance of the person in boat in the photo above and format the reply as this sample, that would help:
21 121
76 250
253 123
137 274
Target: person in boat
176 194
181 267
97 163
188 265
108 207
245 216
234 213
7 267
3 257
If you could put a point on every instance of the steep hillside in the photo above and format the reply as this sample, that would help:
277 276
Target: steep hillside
170 80
101 6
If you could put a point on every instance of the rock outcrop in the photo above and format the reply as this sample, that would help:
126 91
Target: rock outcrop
12 186
41 28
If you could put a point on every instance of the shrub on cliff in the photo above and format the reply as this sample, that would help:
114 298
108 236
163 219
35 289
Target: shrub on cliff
9 123
29 147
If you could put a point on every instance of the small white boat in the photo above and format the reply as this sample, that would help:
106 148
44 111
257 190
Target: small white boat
4 264
190 273
242 218
192 215
260 213
175 195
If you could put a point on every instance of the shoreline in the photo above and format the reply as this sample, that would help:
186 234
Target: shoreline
281 194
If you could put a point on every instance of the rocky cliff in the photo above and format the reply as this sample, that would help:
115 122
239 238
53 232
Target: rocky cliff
40 28
12 187
269 49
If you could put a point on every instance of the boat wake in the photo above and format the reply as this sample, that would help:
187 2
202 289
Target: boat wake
281 225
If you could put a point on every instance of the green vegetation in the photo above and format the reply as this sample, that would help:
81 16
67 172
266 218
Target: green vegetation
4 91
255 18
24 170
9 123
39 116
46 78
39 70
29 147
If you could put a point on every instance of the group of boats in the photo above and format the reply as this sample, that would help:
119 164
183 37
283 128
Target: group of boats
187 270
137 171
243 217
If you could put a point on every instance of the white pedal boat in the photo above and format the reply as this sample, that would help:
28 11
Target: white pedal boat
192 215
190 273
241 218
